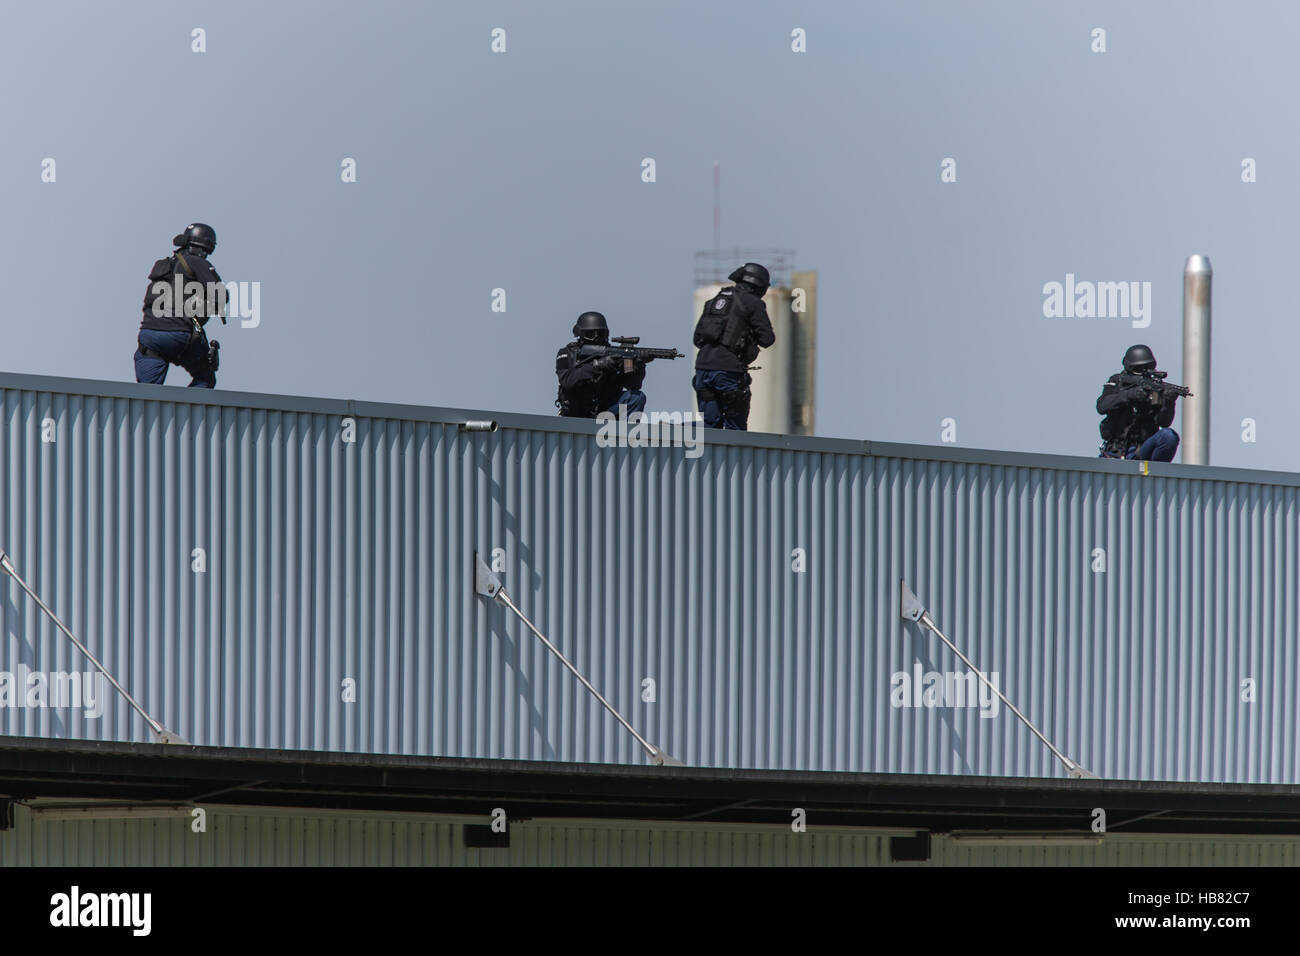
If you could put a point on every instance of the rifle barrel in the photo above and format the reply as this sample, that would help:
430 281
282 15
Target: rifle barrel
628 351
663 353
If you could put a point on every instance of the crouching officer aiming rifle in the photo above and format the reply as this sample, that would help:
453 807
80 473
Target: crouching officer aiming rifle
597 376
1139 407
184 292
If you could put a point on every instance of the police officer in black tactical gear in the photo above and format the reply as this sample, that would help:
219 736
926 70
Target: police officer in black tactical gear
1137 418
594 385
171 332
732 328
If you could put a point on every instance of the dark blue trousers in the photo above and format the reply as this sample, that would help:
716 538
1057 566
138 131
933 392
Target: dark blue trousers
177 349
633 398
724 398
1162 446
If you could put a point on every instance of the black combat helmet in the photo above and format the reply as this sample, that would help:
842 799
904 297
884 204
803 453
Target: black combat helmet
752 274
591 327
1139 358
197 235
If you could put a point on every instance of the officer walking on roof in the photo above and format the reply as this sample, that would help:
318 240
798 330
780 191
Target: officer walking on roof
593 385
732 328
184 292
1139 410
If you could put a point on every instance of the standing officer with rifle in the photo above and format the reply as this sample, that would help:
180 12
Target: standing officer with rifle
596 376
732 328
1139 407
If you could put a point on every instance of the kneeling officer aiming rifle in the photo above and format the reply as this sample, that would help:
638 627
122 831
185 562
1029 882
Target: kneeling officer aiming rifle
1139 407
598 374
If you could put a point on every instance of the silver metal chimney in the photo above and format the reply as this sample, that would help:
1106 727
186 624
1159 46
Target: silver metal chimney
1197 277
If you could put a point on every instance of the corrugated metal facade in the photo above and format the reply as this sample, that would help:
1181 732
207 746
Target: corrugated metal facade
236 837
329 561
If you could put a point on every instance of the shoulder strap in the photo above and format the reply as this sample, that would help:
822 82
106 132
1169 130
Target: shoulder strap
742 308
184 265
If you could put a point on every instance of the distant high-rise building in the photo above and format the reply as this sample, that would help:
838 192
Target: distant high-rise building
785 379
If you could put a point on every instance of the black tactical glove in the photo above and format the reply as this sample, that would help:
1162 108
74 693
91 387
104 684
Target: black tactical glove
635 378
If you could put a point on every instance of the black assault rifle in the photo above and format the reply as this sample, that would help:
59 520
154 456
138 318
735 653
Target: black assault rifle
623 348
1154 384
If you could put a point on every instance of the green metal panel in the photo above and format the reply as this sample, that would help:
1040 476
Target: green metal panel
236 837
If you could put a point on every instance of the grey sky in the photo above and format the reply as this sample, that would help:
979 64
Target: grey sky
522 171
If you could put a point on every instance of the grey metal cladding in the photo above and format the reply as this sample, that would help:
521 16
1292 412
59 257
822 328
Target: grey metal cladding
330 562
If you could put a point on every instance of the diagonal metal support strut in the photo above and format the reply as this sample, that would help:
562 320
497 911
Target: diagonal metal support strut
911 609
164 735
489 585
